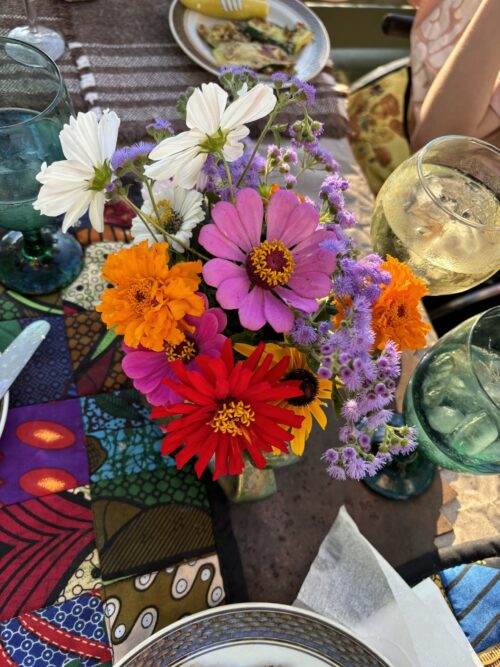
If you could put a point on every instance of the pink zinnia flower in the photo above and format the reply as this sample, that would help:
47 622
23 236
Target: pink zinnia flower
263 279
148 368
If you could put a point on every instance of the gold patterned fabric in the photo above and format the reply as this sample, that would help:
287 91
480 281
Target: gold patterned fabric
376 113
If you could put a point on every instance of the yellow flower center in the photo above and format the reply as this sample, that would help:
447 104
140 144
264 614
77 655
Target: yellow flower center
231 417
140 295
169 219
184 351
270 264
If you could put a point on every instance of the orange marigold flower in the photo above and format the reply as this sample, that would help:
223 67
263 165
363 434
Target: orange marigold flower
396 315
149 300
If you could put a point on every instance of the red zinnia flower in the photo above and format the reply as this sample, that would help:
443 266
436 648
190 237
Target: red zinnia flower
229 409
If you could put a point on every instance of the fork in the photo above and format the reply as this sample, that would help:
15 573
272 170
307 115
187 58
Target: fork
231 5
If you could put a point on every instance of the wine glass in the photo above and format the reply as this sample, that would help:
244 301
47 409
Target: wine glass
439 211
47 40
453 399
35 256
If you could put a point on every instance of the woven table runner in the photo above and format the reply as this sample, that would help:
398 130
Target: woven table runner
123 56
102 540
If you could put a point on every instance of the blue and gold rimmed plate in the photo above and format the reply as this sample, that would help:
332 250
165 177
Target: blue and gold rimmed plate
253 635
4 408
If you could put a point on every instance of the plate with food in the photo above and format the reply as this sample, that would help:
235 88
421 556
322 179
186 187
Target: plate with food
275 36
253 635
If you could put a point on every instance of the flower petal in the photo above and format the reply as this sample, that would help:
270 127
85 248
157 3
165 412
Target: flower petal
226 217
176 144
251 312
108 133
79 139
280 208
300 302
96 211
233 291
300 225
279 315
233 148
257 103
205 108
188 170
319 258
76 210
313 284
217 270
212 239
251 212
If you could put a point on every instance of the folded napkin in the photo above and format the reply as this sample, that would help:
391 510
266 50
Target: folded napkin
352 584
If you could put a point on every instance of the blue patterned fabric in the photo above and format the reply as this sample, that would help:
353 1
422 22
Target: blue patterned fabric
474 593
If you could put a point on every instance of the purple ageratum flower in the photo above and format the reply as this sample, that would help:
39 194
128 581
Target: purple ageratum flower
264 279
303 333
131 153
303 89
323 330
290 156
290 182
323 156
147 368
161 124
279 79
240 70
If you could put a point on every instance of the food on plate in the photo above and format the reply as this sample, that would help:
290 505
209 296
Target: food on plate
259 57
268 32
226 9
259 44
222 32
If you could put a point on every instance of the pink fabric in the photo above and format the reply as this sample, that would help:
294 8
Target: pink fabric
438 26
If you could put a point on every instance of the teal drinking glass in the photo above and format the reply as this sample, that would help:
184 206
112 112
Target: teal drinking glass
453 399
35 256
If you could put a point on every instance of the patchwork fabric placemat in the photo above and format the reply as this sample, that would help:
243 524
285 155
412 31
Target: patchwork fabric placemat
102 540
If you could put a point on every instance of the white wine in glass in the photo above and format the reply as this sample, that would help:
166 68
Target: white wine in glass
47 40
439 212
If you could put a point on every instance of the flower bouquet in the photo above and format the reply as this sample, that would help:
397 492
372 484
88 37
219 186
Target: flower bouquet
246 310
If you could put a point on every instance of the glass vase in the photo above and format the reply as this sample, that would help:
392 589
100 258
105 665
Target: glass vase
35 256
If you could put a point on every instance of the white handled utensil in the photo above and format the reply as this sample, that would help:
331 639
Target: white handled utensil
19 352
231 5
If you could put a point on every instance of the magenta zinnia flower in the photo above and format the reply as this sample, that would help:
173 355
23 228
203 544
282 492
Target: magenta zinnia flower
148 368
263 279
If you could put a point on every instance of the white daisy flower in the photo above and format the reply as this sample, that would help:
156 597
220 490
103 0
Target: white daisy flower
212 128
180 211
79 183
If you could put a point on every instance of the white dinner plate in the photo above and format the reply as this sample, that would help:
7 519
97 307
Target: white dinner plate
253 635
310 61
4 408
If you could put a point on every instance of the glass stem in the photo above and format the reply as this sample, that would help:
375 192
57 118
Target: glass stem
32 16
34 245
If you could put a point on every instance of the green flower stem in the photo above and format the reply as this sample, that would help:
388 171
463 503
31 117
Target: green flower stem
229 177
279 107
149 188
141 215
168 236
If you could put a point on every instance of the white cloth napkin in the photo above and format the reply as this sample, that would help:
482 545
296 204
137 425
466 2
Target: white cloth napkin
352 584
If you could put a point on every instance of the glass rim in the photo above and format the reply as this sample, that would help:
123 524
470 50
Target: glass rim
60 83
420 156
487 313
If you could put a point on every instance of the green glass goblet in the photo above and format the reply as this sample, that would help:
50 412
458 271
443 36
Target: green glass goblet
453 399
35 256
